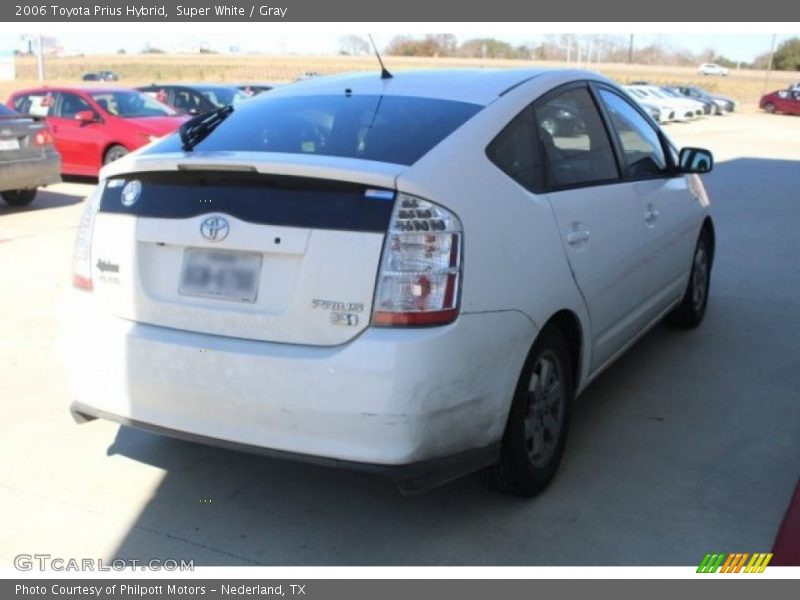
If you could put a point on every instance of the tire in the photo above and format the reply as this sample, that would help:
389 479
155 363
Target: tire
692 309
770 108
19 197
533 444
115 152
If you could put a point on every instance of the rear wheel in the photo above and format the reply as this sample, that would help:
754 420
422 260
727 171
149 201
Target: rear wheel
19 197
115 152
538 423
692 309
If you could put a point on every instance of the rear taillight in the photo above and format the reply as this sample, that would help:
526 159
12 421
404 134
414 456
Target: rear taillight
420 274
43 137
82 255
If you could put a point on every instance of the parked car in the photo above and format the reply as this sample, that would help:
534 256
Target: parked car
254 89
691 107
101 76
684 108
195 99
723 103
707 106
712 69
415 278
95 126
308 75
28 158
781 101
667 111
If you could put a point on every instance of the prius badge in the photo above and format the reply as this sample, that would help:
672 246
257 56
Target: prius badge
215 229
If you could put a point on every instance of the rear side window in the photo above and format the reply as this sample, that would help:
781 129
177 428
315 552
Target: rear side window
573 141
37 104
515 152
641 146
392 129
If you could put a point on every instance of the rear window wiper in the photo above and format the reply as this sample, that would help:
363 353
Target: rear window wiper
198 128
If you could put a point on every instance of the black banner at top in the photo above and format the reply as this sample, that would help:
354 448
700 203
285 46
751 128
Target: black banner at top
404 11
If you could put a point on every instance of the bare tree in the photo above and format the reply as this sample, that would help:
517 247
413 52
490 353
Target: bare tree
353 45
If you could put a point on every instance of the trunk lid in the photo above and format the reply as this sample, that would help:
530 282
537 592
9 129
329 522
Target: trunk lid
283 251
17 138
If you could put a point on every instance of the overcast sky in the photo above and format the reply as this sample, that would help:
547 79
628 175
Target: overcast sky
736 43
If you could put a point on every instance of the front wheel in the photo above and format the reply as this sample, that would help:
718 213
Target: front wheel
537 427
692 309
115 152
769 107
19 197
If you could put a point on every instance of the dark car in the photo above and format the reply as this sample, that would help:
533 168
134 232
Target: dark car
254 89
195 99
781 101
723 103
101 76
28 158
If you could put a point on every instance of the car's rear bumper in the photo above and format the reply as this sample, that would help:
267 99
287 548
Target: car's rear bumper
423 405
411 478
26 174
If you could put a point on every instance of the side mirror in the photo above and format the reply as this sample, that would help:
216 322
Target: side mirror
695 160
86 116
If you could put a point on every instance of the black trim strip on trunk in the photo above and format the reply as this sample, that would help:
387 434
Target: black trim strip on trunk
254 197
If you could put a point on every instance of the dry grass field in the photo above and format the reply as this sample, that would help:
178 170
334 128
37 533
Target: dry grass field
744 85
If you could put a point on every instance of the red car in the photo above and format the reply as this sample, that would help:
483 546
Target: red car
782 101
94 126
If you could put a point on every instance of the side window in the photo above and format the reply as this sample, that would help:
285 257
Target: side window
573 141
515 153
641 145
187 101
39 105
70 105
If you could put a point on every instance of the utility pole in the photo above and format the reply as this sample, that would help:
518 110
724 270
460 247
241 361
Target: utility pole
569 48
40 57
769 64
630 51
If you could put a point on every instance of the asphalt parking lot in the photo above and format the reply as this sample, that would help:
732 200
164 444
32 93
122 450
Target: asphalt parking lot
689 444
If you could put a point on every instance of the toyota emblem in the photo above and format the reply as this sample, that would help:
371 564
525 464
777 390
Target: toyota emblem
215 229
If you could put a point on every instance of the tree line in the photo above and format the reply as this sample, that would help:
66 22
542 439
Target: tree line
570 48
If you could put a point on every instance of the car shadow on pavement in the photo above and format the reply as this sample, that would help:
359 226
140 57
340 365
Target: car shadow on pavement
667 456
45 199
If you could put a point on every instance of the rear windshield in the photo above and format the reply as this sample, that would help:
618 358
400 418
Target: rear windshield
392 129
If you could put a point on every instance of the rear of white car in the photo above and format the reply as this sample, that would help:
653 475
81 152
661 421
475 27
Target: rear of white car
347 270
272 300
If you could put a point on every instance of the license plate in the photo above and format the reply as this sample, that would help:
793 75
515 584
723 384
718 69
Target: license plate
12 144
220 274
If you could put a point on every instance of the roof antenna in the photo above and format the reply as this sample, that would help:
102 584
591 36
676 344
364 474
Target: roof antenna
384 72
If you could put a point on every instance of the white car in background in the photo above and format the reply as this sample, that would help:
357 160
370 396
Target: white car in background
712 69
683 108
408 275
690 108
667 110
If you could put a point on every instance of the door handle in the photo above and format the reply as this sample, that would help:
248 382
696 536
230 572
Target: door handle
651 214
577 237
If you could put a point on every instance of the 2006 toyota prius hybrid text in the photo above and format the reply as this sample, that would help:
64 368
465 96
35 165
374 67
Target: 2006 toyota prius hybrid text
412 275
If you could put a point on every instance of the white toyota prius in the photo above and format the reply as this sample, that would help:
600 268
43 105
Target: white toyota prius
411 274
